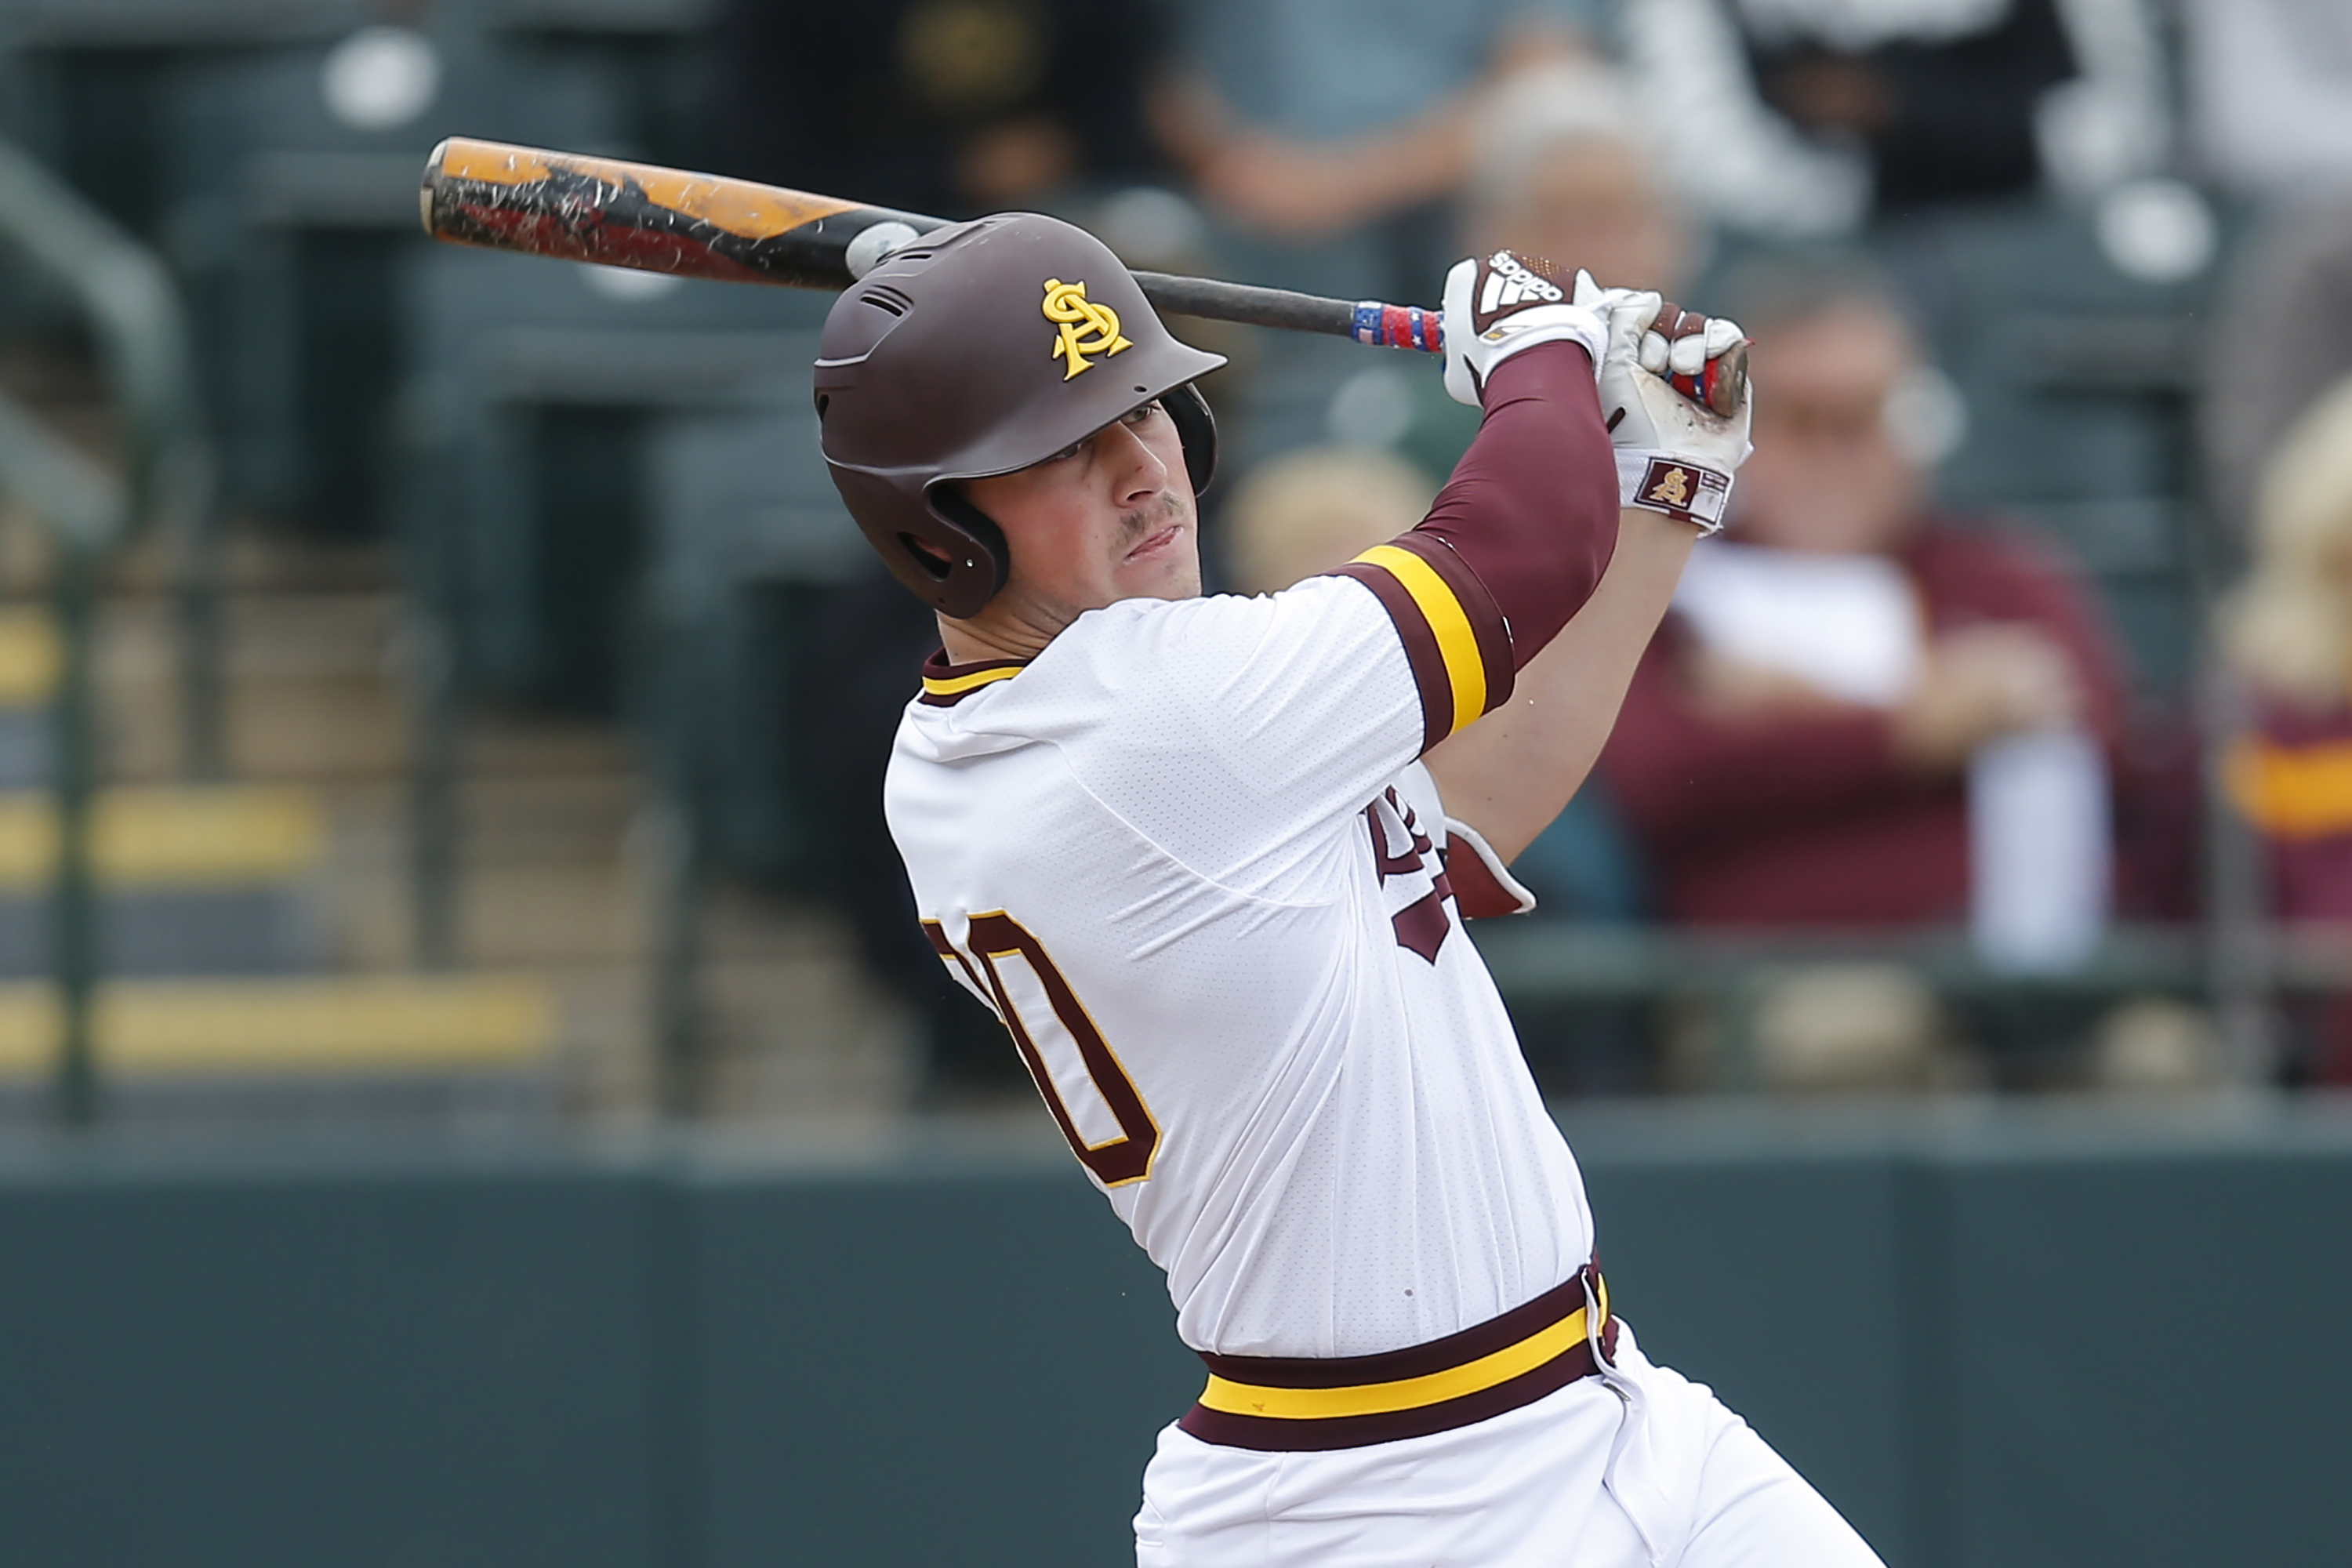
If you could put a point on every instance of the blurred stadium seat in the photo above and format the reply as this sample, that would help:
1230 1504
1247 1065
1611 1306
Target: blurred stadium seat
271 151
291 224
340 1024
2077 377
217 931
748 532
525 428
196 881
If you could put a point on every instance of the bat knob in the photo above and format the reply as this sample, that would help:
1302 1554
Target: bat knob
871 244
1722 387
1727 380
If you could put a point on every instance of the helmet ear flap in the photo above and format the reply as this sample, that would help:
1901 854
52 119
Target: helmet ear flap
1196 426
968 588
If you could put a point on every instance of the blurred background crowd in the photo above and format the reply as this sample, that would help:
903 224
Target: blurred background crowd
481 700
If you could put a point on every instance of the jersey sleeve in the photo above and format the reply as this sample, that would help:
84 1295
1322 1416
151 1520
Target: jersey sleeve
1516 543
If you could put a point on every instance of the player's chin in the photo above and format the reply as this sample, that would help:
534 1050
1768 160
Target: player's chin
1164 564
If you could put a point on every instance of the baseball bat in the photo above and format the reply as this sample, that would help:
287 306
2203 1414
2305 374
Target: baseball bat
617 214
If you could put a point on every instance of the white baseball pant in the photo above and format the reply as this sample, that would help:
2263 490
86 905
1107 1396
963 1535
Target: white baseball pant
1643 1469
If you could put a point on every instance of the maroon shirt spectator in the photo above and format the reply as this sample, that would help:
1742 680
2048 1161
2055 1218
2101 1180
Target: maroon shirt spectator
1760 798
1816 812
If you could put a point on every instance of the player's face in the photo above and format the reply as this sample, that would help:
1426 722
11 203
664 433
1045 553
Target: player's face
1109 518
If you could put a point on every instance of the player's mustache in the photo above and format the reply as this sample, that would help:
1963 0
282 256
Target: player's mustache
1150 519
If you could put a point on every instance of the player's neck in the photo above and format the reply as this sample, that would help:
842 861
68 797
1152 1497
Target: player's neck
998 632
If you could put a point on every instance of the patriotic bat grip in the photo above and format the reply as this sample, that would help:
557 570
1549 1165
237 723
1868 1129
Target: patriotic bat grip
656 219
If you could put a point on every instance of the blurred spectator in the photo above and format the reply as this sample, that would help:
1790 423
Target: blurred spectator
2270 91
1315 509
1563 168
2285 338
1802 117
1796 746
1326 139
2288 634
1300 120
954 107
1852 1027
2158 1045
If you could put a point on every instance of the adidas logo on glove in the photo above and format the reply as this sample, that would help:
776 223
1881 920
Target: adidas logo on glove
1508 283
1497 306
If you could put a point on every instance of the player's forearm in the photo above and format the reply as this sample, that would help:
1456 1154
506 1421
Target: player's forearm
1532 506
1508 774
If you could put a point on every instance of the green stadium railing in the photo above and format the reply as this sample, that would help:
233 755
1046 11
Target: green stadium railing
2221 962
165 488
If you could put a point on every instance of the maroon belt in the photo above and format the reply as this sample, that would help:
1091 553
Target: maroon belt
1282 1405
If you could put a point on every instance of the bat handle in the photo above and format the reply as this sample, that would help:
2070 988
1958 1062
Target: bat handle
1366 320
1397 327
1722 386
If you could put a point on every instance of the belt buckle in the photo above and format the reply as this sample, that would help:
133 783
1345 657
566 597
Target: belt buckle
1599 1328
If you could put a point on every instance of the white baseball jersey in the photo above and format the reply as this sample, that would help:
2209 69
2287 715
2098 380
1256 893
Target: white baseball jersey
1189 854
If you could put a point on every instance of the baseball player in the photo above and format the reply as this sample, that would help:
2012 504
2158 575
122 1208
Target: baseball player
1207 857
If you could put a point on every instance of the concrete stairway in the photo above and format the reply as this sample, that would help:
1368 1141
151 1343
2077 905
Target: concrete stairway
259 929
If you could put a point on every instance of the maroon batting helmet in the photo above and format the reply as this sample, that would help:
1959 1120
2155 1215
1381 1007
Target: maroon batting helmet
978 350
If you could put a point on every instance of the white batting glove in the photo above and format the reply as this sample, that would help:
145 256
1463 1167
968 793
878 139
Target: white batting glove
1495 306
1674 453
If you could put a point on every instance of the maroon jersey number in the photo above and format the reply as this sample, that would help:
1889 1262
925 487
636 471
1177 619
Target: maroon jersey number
1115 1160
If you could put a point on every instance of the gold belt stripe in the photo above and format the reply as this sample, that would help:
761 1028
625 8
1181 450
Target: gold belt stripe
1405 1393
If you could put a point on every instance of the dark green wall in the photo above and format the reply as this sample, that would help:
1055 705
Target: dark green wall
403 1366
1997 1340
964 1368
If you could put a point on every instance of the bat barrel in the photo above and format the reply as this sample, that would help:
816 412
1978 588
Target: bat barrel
605 210
656 219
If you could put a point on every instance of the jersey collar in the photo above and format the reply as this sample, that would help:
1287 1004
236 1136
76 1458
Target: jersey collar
945 684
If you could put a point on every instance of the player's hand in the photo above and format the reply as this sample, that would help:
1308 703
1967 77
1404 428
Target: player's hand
1495 306
1676 451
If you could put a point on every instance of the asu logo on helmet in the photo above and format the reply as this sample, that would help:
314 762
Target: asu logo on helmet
1087 328
934 368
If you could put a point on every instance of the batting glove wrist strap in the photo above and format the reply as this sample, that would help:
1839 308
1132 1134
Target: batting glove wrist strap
1685 490
1495 306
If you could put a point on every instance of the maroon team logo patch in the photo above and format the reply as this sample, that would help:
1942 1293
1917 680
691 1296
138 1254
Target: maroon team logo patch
1683 491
